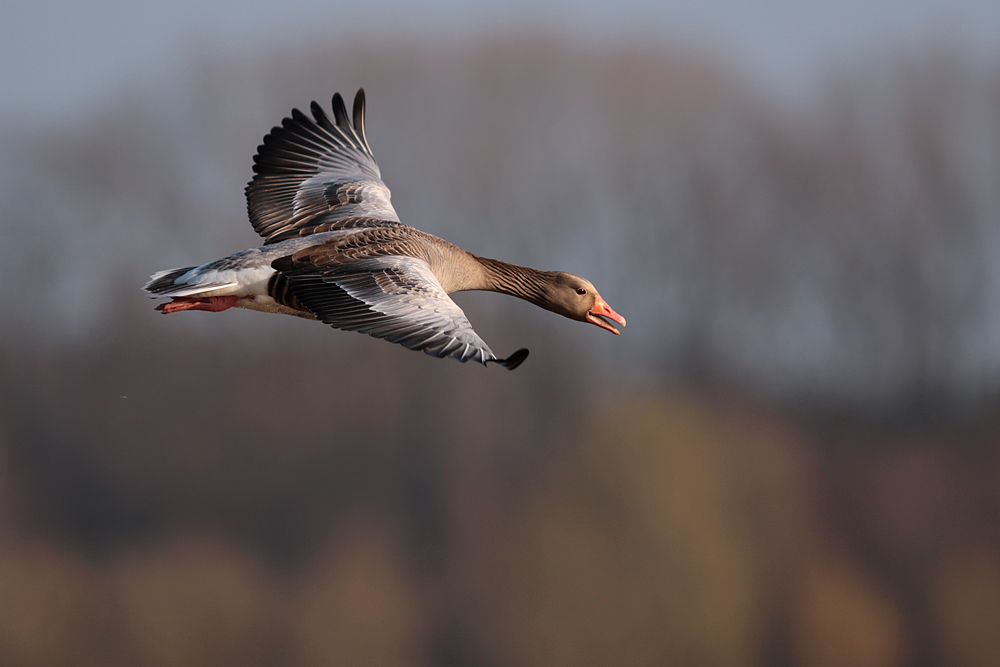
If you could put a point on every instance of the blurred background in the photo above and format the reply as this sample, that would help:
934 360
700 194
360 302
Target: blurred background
790 456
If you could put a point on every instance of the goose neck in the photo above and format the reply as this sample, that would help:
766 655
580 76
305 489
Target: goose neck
520 281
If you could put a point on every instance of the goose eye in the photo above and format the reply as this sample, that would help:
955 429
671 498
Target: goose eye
581 290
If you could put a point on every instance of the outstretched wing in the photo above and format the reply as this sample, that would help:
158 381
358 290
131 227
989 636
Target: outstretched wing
314 175
393 297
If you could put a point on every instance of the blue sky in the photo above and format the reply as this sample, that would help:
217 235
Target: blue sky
62 56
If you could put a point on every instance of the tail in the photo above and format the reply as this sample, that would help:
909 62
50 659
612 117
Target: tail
184 289
182 282
162 283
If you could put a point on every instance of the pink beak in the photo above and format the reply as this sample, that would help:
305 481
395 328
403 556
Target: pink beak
602 310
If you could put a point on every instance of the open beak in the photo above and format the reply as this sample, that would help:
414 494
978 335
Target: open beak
602 310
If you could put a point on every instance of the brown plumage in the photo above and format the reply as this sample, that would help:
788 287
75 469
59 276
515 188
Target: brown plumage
336 251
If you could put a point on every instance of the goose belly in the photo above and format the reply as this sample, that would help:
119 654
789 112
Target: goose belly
266 304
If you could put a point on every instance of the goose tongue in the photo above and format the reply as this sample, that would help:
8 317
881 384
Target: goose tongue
602 310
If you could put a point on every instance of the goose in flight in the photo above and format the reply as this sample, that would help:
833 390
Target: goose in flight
335 251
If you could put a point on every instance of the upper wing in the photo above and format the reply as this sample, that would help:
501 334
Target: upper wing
315 175
393 297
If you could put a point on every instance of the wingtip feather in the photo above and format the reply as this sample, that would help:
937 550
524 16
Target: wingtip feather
359 116
514 360
320 116
340 112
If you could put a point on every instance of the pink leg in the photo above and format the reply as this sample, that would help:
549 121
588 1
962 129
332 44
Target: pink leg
213 304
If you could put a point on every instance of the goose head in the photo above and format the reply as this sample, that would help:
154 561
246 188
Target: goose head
575 297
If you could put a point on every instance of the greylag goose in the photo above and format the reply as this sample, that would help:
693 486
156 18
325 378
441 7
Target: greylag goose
335 251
